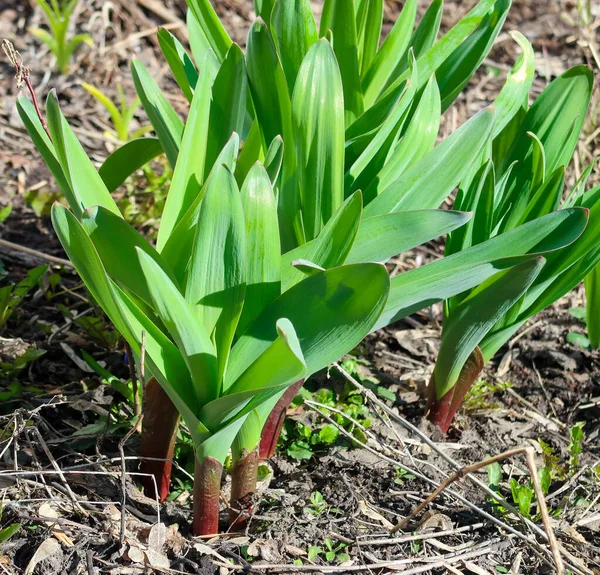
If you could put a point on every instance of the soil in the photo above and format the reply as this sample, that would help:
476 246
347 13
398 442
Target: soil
62 474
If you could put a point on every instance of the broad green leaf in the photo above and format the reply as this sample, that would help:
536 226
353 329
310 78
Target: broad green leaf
263 279
263 9
418 139
217 445
515 91
272 105
84 182
208 21
178 248
117 244
164 359
188 175
556 118
280 365
127 159
329 249
331 312
382 237
369 20
44 145
252 152
228 104
339 17
473 318
199 43
458 68
180 319
459 272
390 55
318 120
295 31
365 168
165 121
429 181
592 292
216 280
181 65
547 197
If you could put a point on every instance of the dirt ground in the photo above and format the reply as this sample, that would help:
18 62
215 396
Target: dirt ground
65 475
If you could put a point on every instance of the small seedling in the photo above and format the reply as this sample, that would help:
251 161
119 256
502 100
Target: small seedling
333 553
59 13
576 434
121 114
12 295
317 506
7 532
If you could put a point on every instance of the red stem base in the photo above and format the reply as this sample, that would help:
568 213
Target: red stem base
207 489
243 486
159 432
272 428
442 411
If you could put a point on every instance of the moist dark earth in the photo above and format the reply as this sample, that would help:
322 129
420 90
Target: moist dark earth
332 511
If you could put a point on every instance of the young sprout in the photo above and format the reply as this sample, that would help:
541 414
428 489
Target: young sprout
58 15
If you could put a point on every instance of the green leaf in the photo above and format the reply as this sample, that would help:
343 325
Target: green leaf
280 365
382 237
163 359
8 532
545 480
212 29
165 121
180 318
318 119
390 54
518 83
429 181
475 316
274 159
294 31
454 274
263 9
188 175
216 280
178 248
418 139
86 185
592 292
331 312
329 249
127 159
458 68
434 57
366 167
263 280
272 105
117 244
494 472
369 19
181 65
339 17
44 145
199 43
228 105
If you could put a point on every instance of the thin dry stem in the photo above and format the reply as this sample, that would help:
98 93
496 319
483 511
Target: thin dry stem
22 76
529 454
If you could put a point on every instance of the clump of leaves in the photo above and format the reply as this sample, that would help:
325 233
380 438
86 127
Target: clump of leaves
332 553
58 14
300 440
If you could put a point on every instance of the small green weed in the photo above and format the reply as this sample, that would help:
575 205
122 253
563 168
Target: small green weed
12 295
479 396
333 553
121 114
58 14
